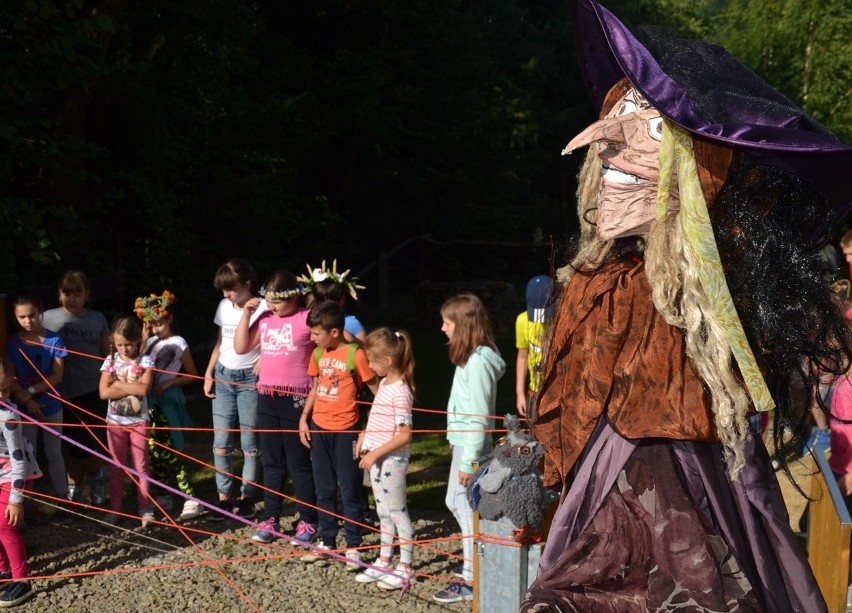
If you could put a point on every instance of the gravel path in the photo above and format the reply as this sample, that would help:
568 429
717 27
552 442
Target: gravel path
149 570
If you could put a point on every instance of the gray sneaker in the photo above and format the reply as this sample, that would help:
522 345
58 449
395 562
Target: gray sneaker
99 487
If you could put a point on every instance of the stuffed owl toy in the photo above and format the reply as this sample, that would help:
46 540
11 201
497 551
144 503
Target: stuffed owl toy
509 483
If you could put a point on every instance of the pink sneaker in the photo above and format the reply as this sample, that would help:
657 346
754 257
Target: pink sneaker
305 532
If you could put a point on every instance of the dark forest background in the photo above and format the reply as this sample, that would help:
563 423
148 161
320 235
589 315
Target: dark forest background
147 141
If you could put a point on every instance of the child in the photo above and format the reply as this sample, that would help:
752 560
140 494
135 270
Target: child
86 336
530 328
383 449
472 401
234 395
285 347
17 467
166 404
328 426
126 379
36 358
327 284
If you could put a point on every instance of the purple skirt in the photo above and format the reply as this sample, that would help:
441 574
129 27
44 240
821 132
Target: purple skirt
656 525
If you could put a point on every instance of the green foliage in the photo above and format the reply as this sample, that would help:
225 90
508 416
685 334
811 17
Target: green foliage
156 139
804 49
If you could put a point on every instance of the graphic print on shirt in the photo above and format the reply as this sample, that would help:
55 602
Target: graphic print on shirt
276 341
330 383
165 356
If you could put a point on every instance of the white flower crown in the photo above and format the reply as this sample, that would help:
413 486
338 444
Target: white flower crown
315 275
283 294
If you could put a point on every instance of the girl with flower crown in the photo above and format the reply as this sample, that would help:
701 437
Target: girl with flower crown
327 284
126 379
284 339
173 368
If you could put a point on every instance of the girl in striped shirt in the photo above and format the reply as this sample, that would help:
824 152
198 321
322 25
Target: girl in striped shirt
383 450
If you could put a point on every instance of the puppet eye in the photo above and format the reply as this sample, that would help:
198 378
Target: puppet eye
655 128
627 106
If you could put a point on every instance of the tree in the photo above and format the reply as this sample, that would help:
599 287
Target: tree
801 47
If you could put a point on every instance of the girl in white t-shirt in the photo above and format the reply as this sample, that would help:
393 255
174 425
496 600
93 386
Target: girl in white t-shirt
126 379
231 381
173 368
383 449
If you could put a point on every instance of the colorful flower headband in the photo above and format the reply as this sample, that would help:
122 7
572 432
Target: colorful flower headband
316 275
153 308
283 294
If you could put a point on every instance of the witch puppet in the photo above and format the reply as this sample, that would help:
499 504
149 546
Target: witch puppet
695 300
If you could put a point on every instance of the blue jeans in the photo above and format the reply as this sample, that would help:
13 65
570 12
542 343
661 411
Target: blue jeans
235 405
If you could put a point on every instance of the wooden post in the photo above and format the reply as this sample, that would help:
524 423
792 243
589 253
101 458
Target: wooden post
829 530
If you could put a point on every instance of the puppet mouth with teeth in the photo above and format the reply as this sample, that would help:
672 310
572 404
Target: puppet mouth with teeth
615 175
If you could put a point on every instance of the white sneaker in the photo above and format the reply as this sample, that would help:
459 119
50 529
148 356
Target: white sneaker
147 518
316 555
370 575
191 510
353 556
397 579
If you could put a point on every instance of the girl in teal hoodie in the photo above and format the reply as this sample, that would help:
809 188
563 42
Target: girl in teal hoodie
469 412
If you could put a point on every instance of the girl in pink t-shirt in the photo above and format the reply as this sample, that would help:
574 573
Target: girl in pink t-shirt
383 449
283 384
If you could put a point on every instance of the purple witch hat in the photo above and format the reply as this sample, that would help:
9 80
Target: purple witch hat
708 92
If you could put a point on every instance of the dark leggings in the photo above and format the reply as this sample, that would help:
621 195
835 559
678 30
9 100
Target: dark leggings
281 452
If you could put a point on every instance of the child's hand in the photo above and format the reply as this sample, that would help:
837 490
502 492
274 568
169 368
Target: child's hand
147 332
35 409
14 514
521 403
251 306
368 460
304 432
209 390
464 478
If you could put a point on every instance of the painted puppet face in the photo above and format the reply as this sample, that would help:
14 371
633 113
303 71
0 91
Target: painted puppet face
630 161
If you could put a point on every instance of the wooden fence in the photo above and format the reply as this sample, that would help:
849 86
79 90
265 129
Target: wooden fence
829 530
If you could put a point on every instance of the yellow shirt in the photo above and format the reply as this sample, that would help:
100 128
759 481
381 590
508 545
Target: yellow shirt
530 335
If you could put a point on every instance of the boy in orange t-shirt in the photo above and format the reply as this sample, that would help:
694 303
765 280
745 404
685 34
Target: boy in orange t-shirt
329 427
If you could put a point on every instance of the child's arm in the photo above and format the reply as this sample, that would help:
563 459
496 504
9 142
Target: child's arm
373 384
521 381
25 399
482 382
209 389
190 374
402 438
247 336
15 444
111 388
304 420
